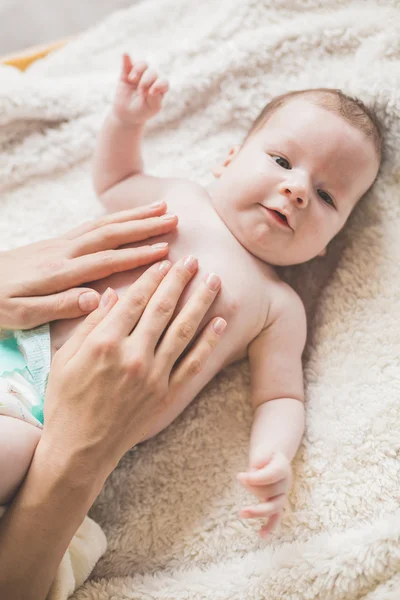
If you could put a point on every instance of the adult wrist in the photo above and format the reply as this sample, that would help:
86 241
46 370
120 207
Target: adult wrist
41 521
75 471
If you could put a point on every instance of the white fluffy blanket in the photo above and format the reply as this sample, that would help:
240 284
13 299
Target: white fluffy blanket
170 508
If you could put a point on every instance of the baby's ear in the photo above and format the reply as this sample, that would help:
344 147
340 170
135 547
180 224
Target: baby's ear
234 151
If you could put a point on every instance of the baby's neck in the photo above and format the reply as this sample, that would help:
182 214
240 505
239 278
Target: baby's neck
212 192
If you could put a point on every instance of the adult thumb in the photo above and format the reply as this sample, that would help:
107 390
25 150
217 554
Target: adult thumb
70 304
71 346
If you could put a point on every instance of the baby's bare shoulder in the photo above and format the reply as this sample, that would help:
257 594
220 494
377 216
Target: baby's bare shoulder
141 189
284 302
186 188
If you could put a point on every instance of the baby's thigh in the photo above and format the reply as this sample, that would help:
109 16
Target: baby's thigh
18 441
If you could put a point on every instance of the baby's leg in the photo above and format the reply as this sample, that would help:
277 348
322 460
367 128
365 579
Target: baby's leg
18 441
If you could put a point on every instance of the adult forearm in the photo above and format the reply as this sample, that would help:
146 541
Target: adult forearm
117 154
36 530
278 426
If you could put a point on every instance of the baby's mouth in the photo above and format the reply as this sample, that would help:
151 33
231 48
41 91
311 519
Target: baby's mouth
282 217
279 217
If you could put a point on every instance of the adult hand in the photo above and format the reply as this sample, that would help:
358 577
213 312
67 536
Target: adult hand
121 364
107 384
38 281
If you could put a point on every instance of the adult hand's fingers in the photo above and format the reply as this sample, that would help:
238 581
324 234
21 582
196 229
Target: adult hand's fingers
162 305
108 300
114 235
123 216
186 323
32 311
197 357
35 276
125 315
102 264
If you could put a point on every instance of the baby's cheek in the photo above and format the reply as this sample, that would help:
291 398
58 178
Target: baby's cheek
262 175
261 164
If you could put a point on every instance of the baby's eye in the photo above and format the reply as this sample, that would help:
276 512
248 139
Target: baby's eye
326 197
284 160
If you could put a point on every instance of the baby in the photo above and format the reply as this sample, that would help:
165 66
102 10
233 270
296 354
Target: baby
278 199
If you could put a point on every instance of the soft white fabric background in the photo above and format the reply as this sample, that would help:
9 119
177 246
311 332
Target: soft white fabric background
170 508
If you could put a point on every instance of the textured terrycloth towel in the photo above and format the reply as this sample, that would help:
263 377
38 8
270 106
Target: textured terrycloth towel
169 510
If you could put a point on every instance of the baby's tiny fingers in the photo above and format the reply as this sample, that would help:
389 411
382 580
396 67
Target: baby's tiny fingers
261 477
266 509
265 492
270 526
137 71
160 86
277 469
126 66
147 80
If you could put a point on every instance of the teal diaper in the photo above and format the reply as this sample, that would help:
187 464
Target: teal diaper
29 354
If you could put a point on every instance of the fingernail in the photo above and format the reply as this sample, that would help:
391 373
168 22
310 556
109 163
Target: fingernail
164 266
156 204
88 301
168 216
190 263
219 326
213 281
159 245
106 297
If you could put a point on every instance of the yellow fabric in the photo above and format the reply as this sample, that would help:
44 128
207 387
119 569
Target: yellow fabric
26 57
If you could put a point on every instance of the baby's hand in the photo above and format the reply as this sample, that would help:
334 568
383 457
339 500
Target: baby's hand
270 479
139 94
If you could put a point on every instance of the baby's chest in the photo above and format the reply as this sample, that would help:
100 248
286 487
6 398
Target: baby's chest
243 298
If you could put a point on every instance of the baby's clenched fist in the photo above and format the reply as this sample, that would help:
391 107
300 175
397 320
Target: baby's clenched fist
139 94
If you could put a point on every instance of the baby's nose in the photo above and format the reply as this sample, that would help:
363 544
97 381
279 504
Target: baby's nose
295 191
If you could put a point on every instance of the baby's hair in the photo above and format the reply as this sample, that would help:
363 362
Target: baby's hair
352 109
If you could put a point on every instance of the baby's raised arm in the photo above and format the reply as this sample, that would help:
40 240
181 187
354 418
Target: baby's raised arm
117 156
277 398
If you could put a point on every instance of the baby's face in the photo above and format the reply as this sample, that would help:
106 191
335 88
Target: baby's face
306 163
